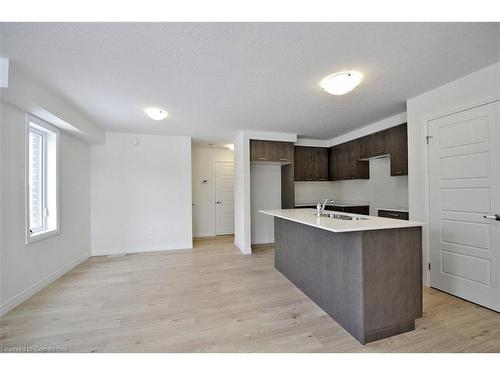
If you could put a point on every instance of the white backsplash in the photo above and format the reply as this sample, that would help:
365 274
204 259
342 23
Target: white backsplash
381 190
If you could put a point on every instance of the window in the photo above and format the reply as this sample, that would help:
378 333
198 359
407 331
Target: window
42 180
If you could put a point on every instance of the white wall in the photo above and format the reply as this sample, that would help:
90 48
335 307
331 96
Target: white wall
203 161
381 190
242 218
25 269
474 89
141 194
265 187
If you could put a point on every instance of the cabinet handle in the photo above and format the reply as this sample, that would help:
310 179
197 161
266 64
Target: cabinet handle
492 217
308 179
284 159
378 152
262 158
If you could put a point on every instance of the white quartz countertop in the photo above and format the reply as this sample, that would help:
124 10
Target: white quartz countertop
307 216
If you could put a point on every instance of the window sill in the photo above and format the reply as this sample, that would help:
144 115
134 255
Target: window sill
42 235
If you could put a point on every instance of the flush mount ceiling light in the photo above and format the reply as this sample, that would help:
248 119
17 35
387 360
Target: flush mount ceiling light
156 113
341 83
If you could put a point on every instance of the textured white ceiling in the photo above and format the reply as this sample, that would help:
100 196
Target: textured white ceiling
218 78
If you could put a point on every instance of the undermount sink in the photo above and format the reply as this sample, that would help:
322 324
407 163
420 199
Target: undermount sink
343 217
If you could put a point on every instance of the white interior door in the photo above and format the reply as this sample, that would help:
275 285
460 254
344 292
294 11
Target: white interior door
224 198
464 186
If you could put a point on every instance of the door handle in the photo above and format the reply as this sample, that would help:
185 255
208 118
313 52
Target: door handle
493 217
218 202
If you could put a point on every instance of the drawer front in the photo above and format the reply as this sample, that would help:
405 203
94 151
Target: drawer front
334 208
361 210
401 215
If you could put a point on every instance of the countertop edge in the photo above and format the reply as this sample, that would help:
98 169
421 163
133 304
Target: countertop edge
398 224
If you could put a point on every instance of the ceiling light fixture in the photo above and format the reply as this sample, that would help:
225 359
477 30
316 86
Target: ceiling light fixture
230 146
156 113
341 83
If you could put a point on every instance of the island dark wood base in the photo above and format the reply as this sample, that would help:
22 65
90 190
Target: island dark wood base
370 282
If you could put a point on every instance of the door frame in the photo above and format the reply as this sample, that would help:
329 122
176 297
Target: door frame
425 122
214 197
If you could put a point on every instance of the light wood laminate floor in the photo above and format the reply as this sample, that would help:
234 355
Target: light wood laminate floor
214 299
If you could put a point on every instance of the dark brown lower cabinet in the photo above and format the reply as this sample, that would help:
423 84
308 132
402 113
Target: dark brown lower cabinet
391 214
369 282
360 210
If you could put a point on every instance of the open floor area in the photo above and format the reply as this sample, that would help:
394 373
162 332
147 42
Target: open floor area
215 299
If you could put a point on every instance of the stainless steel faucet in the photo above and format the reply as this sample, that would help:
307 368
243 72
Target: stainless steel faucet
320 208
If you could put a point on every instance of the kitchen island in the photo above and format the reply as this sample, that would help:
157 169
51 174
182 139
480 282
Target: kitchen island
364 271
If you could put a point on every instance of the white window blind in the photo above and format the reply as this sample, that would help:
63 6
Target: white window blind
37 178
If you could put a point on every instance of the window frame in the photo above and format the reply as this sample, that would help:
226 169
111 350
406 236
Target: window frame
46 130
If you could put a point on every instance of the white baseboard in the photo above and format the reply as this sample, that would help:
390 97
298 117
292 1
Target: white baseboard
206 234
27 293
263 241
146 249
242 248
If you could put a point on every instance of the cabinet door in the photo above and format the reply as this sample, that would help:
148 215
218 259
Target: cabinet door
335 163
260 150
297 163
380 142
361 210
393 214
342 161
304 163
354 163
321 164
398 144
366 146
282 152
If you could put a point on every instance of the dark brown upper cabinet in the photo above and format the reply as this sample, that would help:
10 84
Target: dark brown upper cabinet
311 163
366 146
260 151
380 143
398 149
345 163
321 164
282 152
349 160
271 151
334 165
